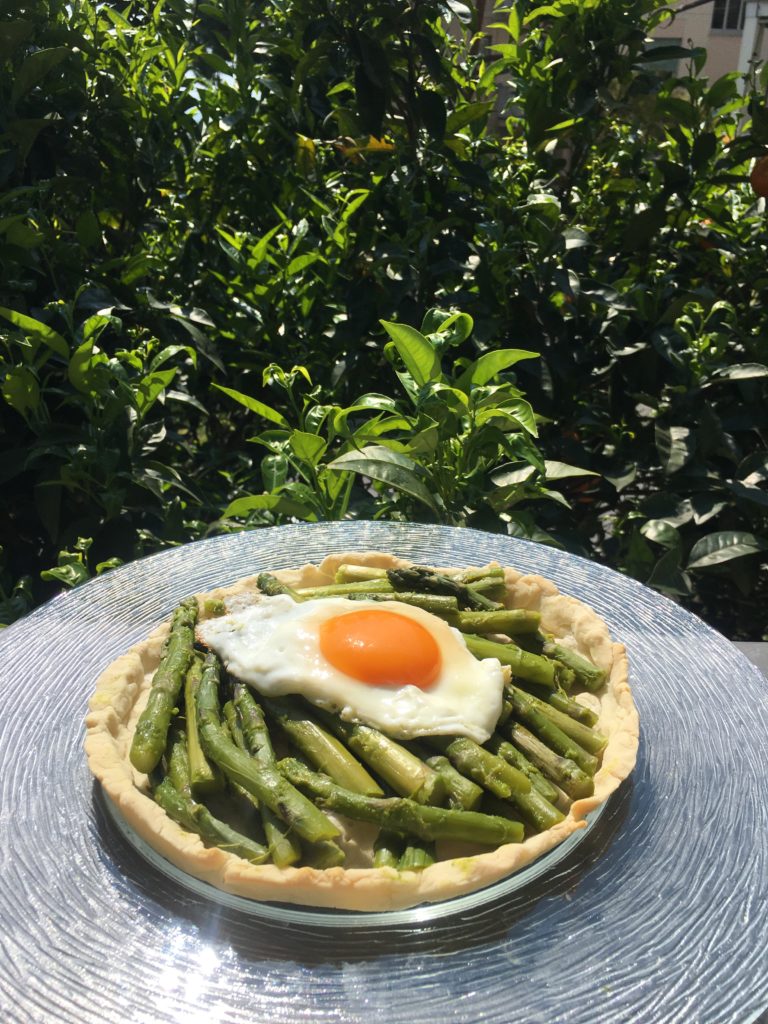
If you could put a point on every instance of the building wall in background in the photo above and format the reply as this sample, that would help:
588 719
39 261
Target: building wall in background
696 27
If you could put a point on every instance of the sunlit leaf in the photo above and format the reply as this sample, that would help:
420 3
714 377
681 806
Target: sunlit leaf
254 405
307 447
388 467
37 331
716 548
242 507
420 358
490 365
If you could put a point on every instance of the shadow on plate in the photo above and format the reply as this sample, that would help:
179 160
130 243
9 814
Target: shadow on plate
256 938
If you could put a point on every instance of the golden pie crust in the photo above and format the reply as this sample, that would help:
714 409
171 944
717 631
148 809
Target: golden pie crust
122 690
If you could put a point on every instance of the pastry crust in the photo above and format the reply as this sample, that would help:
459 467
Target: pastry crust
121 693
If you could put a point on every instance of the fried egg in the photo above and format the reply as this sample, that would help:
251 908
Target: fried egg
385 664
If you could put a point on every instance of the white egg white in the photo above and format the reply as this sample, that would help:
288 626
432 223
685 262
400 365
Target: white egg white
273 645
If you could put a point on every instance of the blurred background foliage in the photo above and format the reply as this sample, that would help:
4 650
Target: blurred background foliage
207 209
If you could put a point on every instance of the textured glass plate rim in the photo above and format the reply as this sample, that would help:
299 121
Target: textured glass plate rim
300 914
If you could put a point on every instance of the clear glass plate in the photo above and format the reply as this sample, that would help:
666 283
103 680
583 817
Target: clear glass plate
656 914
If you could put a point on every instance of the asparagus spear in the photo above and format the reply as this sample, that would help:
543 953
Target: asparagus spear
503 748
572 708
501 779
554 737
284 848
271 586
586 674
387 849
564 772
486 769
325 854
463 794
348 573
560 700
398 767
421 579
321 749
264 781
175 797
510 621
402 815
416 856
524 665
197 818
204 778
591 740
381 586
437 604
151 734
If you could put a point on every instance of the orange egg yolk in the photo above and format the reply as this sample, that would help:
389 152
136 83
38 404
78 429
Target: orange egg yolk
381 648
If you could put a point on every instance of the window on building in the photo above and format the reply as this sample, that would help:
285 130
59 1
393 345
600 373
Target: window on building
728 15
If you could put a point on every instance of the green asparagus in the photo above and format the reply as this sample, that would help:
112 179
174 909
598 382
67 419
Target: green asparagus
264 781
387 849
503 748
421 579
491 772
151 734
197 818
564 772
524 665
398 767
509 621
321 749
204 777
585 673
526 711
463 794
284 848
403 815
416 856
271 586
591 740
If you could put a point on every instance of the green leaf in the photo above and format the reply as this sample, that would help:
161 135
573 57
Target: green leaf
21 390
150 389
490 364
242 507
749 492
307 447
274 471
35 67
675 446
706 507
70 575
37 331
561 470
668 577
87 369
515 414
465 115
420 358
431 107
716 548
661 532
254 405
302 262
388 467
739 371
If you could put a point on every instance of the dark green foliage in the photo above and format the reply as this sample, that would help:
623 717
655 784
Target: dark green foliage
238 194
